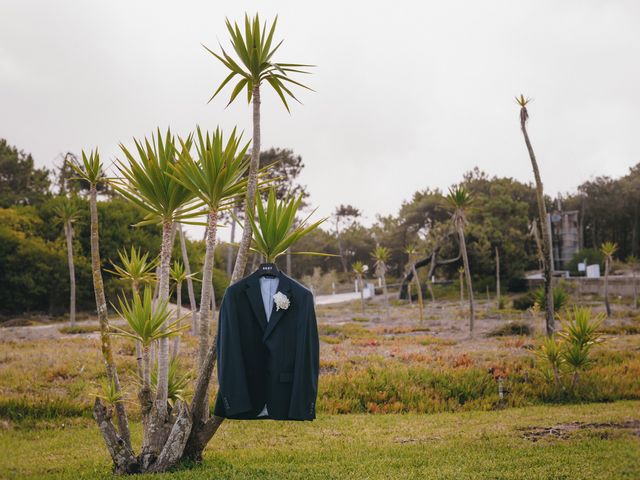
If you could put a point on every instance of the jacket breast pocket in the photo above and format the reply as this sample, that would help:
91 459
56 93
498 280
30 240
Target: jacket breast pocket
286 377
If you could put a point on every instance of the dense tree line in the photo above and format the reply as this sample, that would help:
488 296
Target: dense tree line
33 260
609 211
34 272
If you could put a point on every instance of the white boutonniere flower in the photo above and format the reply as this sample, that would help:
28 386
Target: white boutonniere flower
281 300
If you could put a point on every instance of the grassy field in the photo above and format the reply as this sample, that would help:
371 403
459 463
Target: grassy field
397 399
506 444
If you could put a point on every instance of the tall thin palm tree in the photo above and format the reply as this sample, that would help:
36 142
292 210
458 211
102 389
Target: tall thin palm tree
498 299
215 177
608 250
542 213
187 269
381 257
68 212
254 66
411 252
135 268
459 200
147 181
92 171
179 275
461 283
360 269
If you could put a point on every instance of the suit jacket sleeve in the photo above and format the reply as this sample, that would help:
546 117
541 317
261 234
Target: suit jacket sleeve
307 367
232 377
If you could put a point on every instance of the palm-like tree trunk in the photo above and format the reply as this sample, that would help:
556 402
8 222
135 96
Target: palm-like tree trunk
139 353
176 339
68 233
467 273
607 263
497 278
343 259
232 240
461 281
163 295
205 299
361 286
420 300
635 290
145 393
386 295
103 319
544 228
187 270
252 185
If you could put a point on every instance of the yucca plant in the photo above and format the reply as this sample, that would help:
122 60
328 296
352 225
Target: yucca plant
275 228
178 275
135 268
178 382
147 324
608 250
68 212
551 352
569 350
580 328
254 65
360 269
560 299
381 257
547 264
110 393
91 171
215 178
580 333
147 181
459 200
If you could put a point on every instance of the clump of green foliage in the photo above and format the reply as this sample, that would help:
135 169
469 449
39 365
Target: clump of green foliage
560 298
510 328
591 255
568 353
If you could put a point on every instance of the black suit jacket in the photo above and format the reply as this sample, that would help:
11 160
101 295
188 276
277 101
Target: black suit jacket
274 363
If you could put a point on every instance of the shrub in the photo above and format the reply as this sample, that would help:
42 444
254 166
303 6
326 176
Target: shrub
570 351
510 328
523 302
79 329
560 298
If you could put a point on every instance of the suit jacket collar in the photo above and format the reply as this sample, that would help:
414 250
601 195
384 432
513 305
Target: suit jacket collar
255 300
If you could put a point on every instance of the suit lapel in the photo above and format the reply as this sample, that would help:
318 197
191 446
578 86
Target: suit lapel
255 300
284 286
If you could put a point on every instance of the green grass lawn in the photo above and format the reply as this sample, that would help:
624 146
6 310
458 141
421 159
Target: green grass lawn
467 445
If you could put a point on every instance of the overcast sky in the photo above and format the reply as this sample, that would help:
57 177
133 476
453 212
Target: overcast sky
408 94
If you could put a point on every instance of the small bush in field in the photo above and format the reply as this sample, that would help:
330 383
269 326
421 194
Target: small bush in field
569 352
560 298
79 329
523 302
509 329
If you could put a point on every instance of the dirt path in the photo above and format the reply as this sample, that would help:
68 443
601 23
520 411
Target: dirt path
52 330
